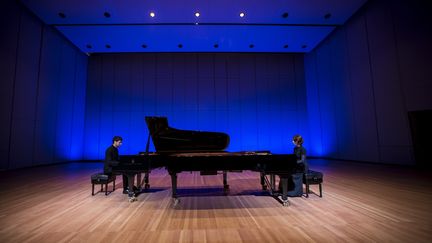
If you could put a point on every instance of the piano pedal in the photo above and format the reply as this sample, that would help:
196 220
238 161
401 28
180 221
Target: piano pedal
176 201
133 199
285 203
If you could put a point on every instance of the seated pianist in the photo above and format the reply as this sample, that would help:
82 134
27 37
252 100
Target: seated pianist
112 159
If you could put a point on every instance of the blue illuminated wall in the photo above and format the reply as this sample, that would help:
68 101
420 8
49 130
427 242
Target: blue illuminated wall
365 77
258 99
42 92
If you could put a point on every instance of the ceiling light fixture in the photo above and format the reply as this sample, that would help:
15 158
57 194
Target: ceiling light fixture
216 45
152 14
62 15
285 46
89 46
242 15
107 15
144 46
304 46
197 14
107 46
180 46
327 16
251 46
285 15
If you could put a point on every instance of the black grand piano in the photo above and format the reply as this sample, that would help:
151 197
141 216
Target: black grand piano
186 150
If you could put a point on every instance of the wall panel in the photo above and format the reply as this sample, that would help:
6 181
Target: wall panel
25 92
10 15
46 111
208 92
378 65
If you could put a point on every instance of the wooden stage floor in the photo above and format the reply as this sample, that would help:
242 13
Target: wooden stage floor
361 202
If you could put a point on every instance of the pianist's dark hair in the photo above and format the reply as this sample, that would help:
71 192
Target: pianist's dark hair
117 138
298 139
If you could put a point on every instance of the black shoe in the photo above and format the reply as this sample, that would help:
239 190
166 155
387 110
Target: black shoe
125 191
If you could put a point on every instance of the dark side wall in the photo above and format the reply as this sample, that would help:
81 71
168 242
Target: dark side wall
364 79
258 99
42 91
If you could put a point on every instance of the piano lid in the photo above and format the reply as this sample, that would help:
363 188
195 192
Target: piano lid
172 140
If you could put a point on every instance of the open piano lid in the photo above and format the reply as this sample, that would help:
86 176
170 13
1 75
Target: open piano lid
172 140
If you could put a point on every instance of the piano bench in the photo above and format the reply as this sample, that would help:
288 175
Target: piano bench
102 179
313 178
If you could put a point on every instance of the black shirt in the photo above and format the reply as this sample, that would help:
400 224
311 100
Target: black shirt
111 158
300 153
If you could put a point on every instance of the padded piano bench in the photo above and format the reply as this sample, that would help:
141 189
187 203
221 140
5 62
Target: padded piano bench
102 179
313 178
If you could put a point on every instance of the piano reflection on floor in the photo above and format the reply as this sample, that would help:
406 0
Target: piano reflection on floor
186 150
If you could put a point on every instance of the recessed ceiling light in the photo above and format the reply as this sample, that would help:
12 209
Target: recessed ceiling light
197 14
251 46
285 15
304 46
285 46
152 14
107 15
62 15
180 46
107 46
242 14
216 45
327 16
144 46
89 46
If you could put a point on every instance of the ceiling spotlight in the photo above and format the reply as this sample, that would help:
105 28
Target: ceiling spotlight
304 46
89 46
152 14
251 46
242 15
216 45
197 14
285 15
107 46
180 45
327 16
61 15
107 15
144 46
285 46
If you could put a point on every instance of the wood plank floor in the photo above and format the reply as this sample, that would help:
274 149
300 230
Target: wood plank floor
362 202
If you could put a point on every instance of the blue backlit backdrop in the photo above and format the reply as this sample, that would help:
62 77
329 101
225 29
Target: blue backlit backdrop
258 99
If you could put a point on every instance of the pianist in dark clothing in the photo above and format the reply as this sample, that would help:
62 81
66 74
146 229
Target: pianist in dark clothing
302 166
300 153
112 159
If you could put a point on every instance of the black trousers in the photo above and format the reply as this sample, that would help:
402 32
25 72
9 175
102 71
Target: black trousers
125 182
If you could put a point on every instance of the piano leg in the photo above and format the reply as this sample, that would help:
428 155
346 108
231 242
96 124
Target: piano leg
225 182
284 181
139 182
263 183
174 187
146 181
131 193
273 182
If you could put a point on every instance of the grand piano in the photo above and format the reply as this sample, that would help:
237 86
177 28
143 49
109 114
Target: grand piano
186 150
